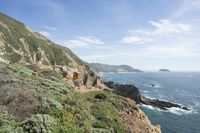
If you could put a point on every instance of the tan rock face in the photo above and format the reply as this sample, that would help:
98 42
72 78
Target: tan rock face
135 119
75 76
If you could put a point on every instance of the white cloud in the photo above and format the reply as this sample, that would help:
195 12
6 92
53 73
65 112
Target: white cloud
171 51
167 27
45 33
186 7
166 39
90 40
161 29
131 39
164 51
164 27
50 28
82 41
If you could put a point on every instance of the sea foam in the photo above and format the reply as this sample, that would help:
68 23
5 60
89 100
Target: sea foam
173 110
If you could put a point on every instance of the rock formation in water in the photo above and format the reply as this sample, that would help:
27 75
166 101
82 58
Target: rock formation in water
133 92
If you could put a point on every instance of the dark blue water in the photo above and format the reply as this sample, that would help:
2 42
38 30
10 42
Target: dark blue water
178 87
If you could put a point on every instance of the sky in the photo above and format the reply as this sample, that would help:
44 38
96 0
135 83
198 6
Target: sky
146 34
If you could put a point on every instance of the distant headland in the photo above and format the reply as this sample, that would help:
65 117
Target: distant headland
112 68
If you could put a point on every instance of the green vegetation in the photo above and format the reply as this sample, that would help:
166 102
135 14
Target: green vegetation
53 107
14 30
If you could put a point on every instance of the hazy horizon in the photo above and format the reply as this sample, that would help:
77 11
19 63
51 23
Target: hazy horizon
148 35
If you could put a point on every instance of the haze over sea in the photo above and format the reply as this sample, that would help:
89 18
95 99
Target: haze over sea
178 87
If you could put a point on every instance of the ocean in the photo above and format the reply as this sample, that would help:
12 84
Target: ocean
177 87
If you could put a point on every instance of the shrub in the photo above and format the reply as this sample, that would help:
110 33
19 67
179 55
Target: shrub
38 124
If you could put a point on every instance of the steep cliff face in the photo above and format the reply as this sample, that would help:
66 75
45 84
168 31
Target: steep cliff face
18 44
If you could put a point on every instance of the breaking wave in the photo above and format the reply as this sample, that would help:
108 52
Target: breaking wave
173 110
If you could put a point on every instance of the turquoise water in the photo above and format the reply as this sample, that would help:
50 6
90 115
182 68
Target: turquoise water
178 87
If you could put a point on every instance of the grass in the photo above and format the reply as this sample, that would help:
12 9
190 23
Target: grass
72 111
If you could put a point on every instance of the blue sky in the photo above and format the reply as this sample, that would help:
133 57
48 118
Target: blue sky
146 34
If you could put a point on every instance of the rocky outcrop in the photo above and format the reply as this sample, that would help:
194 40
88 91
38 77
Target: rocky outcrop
125 90
161 104
133 92
135 120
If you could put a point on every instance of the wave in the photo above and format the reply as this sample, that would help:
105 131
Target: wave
145 91
173 110
180 111
196 104
154 85
101 74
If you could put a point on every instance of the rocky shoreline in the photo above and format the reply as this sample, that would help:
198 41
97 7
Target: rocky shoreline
133 92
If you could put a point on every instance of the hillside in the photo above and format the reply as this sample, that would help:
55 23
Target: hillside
112 68
18 44
45 88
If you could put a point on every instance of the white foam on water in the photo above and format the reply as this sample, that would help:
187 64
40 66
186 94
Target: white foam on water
149 107
101 74
173 110
145 91
196 104
155 85
180 111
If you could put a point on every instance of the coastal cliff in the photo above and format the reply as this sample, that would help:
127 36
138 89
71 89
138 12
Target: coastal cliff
46 88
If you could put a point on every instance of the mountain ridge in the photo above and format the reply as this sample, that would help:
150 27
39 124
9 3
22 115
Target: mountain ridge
98 67
20 45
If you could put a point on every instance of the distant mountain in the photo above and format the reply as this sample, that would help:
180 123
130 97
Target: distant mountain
164 70
112 68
